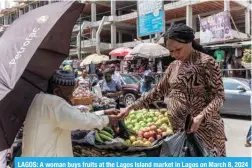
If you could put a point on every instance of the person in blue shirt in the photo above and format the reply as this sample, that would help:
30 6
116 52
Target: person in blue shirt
145 84
110 87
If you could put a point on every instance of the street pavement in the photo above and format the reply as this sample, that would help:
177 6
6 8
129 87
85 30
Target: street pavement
236 130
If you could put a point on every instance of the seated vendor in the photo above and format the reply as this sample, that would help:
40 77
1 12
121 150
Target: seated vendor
110 87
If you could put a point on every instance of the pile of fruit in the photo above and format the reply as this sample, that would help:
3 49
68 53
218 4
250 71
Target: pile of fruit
82 91
149 126
104 135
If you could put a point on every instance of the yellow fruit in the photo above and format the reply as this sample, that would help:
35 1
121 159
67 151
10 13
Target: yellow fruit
147 143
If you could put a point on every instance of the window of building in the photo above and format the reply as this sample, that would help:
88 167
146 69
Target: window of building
1 20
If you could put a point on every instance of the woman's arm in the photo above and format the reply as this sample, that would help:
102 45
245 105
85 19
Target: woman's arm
215 89
157 92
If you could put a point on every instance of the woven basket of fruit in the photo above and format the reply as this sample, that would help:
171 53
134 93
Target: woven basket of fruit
82 100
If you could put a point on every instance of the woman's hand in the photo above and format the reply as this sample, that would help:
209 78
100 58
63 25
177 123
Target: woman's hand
196 123
111 112
125 112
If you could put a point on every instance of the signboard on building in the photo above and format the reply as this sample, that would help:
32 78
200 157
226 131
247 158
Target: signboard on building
215 28
151 17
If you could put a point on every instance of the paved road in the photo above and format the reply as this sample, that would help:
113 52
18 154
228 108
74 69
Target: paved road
236 131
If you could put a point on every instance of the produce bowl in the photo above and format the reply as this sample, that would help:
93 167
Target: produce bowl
82 100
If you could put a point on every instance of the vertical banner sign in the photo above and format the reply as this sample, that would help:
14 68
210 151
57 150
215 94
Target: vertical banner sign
151 17
216 28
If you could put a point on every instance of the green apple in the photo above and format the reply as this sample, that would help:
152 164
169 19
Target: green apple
130 126
169 131
165 120
157 114
158 123
149 120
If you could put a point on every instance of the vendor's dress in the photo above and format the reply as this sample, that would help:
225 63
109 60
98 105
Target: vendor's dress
192 87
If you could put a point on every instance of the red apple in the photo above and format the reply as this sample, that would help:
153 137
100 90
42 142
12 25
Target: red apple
153 127
159 136
151 139
140 133
159 131
147 135
151 133
147 129
164 134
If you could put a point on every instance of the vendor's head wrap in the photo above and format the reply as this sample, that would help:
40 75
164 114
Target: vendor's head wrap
183 34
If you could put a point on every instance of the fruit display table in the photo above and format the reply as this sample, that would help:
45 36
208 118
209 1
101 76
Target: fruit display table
141 133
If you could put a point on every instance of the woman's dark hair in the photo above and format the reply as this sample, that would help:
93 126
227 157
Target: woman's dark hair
183 34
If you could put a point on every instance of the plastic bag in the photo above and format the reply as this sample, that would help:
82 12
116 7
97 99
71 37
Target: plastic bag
182 144
97 91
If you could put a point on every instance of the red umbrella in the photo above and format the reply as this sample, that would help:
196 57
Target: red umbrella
128 57
120 52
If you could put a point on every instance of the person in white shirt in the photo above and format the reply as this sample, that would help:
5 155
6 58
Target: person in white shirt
50 119
3 160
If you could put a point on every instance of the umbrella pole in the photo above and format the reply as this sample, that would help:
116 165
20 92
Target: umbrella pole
80 39
1 127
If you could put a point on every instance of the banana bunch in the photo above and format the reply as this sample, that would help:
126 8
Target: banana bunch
106 134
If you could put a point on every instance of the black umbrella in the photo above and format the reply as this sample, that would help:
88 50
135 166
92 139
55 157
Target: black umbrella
30 51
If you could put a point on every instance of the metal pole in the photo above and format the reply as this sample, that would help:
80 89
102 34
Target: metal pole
80 39
150 38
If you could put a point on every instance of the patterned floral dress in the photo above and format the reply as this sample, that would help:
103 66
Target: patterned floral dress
193 87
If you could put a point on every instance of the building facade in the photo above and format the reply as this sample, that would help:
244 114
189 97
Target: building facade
105 25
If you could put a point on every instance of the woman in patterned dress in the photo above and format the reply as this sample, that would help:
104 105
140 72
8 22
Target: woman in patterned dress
194 86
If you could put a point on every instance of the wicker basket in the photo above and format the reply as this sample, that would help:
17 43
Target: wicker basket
82 101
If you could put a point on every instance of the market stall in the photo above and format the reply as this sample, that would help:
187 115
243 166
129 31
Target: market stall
141 134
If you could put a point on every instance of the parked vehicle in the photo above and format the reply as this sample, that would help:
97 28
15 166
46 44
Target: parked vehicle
237 94
131 91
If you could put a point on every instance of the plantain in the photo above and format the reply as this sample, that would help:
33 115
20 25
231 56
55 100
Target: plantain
106 133
97 137
109 130
105 137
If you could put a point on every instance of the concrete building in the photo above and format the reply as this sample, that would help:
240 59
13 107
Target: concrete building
105 25
117 27
7 4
